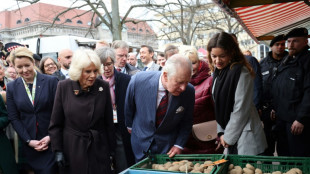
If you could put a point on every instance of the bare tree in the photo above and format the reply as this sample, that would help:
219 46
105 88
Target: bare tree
180 20
187 20
111 19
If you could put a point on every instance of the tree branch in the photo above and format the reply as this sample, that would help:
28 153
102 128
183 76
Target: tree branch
109 25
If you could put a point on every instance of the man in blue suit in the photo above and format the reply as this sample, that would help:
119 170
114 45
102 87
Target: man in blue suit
160 132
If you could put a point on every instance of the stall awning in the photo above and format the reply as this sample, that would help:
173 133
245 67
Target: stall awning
264 19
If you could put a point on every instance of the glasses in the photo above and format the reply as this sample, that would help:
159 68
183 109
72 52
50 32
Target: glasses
108 64
50 64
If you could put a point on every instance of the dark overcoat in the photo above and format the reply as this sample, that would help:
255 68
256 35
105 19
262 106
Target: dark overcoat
7 161
82 127
31 121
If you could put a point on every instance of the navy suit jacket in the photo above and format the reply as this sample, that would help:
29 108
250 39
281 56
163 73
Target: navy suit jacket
59 75
140 115
31 122
258 81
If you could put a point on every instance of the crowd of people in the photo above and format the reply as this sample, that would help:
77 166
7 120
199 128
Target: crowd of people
101 111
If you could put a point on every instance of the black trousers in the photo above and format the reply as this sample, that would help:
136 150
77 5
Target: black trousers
268 129
52 170
289 144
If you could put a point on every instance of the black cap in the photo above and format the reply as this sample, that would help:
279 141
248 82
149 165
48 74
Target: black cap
11 46
297 32
37 57
277 39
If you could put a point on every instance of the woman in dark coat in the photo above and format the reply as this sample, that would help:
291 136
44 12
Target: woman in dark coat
7 161
81 129
203 108
30 101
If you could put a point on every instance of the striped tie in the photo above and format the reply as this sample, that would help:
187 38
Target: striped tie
162 109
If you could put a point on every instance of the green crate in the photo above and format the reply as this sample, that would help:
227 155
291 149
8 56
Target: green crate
146 164
267 164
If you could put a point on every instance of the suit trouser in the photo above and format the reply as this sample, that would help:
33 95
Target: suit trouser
51 170
270 139
120 154
292 145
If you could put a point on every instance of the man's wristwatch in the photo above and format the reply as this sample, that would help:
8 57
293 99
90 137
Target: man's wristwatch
28 141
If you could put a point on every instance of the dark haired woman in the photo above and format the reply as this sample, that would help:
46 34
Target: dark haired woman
239 126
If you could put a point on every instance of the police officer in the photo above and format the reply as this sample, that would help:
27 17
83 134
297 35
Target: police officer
291 97
268 65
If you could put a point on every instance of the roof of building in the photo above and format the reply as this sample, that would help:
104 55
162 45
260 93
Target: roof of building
141 27
42 12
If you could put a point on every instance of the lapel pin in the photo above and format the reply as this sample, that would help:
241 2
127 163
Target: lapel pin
76 92
180 109
100 88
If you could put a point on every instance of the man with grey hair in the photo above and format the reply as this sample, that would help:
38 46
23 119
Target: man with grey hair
121 49
170 50
159 115
132 59
64 58
118 83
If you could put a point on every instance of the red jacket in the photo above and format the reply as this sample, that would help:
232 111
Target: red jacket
203 110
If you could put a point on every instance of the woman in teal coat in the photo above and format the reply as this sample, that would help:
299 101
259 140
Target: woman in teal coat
7 161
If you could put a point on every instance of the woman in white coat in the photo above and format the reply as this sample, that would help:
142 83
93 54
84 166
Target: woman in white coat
239 126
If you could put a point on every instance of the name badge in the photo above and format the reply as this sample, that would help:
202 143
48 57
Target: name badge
265 73
114 116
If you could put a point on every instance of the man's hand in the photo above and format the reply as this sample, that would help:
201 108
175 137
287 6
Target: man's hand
297 128
260 113
273 115
129 130
173 151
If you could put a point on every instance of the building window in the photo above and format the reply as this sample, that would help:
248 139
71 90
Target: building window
57 19
27 20
18 22
133 29
89 23
68 21
140 30
79 22
147 31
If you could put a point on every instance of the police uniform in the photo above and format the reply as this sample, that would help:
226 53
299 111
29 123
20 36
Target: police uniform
268 65
291 99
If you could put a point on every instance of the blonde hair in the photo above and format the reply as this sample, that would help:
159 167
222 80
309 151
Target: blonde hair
191 53
81 59
21 52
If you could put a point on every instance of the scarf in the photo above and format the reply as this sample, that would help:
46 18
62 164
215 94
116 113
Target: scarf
111 85
226 81
201 74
